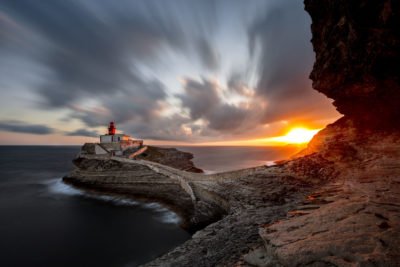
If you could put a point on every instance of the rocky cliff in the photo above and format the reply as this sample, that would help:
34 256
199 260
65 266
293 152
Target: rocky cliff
357 47
353 216
146 180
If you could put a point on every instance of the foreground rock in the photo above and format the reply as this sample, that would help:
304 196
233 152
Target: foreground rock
232 204
262 196
354 218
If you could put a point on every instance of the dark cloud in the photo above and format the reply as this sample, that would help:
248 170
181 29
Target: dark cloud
207 54
93 49
140 104
22 127
227 118
200 97
135 106
236 83
283 36
83 132
203 101
91 117
162 128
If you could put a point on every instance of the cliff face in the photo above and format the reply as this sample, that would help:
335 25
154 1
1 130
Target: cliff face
352 218
357 46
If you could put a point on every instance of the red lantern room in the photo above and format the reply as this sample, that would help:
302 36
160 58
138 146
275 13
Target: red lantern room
111 129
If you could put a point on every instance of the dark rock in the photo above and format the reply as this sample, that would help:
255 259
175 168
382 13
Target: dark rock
358 156
88 148
170 157
357 46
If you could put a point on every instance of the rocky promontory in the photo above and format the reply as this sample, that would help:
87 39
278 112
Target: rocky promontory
170 157
336 203
152 179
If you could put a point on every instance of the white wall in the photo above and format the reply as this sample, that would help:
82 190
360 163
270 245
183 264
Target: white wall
99 150
119 137
106 138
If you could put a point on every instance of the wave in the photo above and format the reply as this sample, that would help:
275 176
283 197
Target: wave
57 186
167 216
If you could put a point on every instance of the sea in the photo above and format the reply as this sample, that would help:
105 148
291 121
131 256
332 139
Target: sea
44 222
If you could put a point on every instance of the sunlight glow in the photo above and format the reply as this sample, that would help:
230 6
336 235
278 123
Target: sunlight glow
295 136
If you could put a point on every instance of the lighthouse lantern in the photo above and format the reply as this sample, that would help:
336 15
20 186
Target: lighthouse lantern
111 129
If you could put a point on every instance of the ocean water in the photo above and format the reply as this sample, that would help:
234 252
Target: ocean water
212 159
44 222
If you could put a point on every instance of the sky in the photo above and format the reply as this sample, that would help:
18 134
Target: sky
169 72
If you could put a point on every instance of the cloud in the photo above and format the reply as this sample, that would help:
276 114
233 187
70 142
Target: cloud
161 128
97 116
200 97
83 132
23 127
96 52
236 83
128 107
227 118
92 51
97 61
285 60
203 101
207 54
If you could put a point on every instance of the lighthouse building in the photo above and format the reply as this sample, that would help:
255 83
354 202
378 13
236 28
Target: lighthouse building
116 143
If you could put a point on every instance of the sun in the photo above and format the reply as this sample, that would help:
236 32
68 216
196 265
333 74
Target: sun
296 136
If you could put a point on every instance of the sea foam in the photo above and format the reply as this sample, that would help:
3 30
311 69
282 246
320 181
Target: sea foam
57 186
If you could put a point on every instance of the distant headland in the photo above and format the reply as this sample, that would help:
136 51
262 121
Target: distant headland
123 146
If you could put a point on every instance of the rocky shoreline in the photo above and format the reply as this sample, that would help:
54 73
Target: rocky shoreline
231 206
316 209
135 179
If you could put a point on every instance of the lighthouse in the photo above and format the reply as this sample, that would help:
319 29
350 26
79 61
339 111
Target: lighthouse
111 129
116 143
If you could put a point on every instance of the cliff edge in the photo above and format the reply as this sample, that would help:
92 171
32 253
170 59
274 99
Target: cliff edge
353 217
